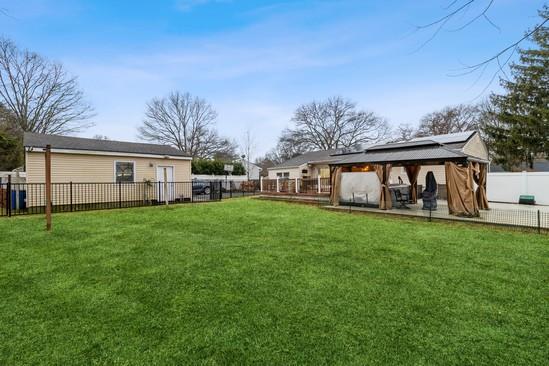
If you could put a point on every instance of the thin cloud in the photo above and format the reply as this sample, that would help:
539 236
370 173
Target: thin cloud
188 5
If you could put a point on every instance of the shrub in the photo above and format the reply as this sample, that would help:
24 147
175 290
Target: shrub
215 167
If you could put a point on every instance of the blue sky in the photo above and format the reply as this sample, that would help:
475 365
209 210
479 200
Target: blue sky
255 61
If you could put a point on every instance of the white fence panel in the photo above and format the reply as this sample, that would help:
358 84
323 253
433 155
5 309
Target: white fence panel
219 177
507 187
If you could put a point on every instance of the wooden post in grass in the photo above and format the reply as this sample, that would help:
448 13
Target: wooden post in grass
166 185
48 187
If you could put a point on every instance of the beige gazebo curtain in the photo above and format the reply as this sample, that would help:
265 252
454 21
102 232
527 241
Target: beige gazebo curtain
479 176
383 172
412 171
336 186
460 190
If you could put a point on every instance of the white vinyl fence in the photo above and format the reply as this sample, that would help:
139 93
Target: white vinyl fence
507 187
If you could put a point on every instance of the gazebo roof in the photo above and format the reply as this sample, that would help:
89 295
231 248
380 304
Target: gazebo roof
415 151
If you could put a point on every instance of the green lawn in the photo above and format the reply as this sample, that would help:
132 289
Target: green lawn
246 281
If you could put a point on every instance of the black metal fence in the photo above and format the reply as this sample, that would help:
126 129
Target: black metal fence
233 189
530 218
30 198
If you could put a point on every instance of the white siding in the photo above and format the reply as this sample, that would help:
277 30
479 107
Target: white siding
80 168
476 147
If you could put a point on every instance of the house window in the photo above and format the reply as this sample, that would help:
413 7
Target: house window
304 171
283 175
124 171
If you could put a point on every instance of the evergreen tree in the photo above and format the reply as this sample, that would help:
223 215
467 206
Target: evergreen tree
11 142
522 133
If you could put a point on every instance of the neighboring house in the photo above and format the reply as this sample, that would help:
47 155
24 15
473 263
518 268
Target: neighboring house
82 160
17 175
253 171
309 165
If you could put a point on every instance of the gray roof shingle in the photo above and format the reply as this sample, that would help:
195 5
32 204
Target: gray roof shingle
422 153
38 140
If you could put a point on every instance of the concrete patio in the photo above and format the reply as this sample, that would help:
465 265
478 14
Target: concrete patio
499 213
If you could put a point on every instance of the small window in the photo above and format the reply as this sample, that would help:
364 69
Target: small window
304 171
124 171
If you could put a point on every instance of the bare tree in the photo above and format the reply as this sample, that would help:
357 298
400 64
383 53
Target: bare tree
467 12
247 147
186 122
39 94
101 137
334 123
404 132
450 120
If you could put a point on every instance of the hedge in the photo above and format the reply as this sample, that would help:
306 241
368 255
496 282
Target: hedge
215 167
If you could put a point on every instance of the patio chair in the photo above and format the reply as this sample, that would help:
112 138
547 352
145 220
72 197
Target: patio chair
429 195
402 199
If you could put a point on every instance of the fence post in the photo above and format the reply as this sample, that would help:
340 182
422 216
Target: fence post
70 193
220 191
277 185
166 196
430 213
261 184
297 185
319 188
119 194
230 189
48 187
8 196
539 222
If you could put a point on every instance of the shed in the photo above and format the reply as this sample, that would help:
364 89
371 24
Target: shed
83 160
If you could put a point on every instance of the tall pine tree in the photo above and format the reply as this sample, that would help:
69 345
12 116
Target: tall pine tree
522 133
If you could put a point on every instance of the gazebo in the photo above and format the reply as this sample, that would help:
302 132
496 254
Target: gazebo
465 174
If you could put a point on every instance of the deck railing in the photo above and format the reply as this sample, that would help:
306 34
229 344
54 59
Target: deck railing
309 186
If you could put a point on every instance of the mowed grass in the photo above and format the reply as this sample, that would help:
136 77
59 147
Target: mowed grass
246 281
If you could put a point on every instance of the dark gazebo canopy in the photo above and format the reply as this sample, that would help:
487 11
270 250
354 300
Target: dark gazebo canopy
461 168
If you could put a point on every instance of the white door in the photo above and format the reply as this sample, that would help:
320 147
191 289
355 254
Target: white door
165 174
